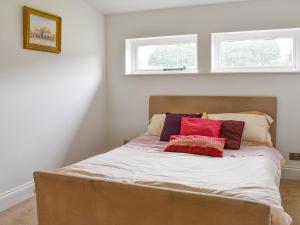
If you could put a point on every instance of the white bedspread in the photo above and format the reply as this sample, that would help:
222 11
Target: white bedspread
252 173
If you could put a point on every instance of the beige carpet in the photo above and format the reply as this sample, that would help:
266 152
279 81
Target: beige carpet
290 193
25 213
22 214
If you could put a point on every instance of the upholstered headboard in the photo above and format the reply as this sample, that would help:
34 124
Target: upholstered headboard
215 104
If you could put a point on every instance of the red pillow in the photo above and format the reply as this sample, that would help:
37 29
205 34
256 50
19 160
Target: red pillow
232 131
203 127
195 144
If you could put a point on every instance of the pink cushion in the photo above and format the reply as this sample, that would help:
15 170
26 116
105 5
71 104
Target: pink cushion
203 127
194 144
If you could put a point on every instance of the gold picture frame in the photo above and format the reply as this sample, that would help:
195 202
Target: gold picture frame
41 31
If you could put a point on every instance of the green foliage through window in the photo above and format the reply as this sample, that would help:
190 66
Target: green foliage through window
257 53
173 56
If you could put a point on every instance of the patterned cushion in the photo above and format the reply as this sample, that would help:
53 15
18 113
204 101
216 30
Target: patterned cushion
195 144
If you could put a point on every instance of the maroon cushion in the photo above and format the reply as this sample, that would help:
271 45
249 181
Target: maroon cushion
172 124
232 131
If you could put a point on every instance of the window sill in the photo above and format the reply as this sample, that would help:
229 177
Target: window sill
256 72
211 73
163 73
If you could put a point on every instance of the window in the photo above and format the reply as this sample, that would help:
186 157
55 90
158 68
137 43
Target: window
162 55
256 51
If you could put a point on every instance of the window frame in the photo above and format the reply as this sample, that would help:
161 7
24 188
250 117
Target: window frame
218 38
132 46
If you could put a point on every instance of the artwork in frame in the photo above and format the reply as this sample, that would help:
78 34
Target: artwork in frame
41 31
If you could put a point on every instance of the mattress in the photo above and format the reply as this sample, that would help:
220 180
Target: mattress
252 173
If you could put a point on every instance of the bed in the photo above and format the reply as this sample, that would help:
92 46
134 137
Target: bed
140 184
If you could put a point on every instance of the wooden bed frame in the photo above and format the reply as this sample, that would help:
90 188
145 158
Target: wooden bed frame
71 200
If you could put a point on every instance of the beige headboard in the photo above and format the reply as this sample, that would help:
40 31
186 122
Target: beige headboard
215 104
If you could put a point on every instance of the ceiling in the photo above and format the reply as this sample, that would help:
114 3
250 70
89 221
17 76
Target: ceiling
122 6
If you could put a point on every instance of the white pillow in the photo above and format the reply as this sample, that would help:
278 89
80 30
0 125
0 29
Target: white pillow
156 124
256 128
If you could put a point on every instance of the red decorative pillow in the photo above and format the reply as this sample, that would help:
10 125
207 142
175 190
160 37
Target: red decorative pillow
203 127
195 144
232 131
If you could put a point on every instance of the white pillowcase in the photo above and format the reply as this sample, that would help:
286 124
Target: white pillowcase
156 124
256 128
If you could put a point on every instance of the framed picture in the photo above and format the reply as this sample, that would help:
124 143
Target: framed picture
41 31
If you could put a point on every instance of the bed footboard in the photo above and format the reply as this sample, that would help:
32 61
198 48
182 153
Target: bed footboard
68 200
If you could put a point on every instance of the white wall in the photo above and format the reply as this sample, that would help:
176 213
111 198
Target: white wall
128 95
52 107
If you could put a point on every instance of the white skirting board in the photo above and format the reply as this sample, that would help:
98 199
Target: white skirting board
16 195
291 172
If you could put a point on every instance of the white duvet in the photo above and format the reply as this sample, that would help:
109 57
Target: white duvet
252 173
